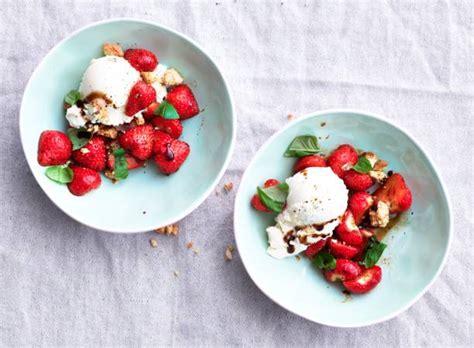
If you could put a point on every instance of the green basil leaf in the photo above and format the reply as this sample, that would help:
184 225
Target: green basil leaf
373 253
60 174
120 166
303 145
324 260
363 165
72 97
166 110
274 197
79 137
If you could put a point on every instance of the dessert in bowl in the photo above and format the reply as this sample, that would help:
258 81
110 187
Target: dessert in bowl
146 98
364 211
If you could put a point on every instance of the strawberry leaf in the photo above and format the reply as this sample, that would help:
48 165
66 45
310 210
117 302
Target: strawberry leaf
274 197
72 97
120 166
60 174
324 260
363 165
79 137
302 145
166 110
373 253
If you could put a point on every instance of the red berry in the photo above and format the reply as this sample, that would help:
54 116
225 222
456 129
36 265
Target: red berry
315 248
258 205
341 249
359 205
348 231
270 183
182 98
83 181
356 181
395 193
54 148
132 162
172 127
149 113
342 159
366 281
92 155
141 96
141 59
174 155
309 161
139 141
345 270
162 139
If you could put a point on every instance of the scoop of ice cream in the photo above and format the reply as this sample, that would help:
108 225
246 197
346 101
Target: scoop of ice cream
316 201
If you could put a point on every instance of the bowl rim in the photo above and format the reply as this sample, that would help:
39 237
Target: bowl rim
224 165
328 112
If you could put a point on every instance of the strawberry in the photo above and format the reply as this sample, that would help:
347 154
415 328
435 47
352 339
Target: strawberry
132 162
139 141
366 281
170 160
348 231
149 113
83 181
257 203
315 248
141 59
141 95
395 193
341 249
172 127
162 139
92 155
356 181
54 148
345 270
359 205
182 98
309 161
342 159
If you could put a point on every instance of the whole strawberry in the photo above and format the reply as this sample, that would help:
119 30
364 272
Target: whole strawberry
92 155
141 95
342 159
356 181
141 59
139 141
54 148
83 181
173 156
172 127
183 100
161 140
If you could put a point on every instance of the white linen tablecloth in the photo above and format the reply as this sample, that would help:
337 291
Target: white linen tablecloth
62 283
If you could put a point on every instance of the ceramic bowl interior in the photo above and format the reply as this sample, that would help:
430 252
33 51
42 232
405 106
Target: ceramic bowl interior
147 199
417 246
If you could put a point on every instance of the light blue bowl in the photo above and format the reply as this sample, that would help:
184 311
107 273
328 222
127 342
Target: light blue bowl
146 200
417 247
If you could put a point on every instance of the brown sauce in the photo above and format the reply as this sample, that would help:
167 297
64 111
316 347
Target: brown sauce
381 232
97 95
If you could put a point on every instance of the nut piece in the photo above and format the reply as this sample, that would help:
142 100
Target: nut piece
189 245
139 121
228 252
380 165
84 150
149 77
112 49
170 229
176 273
228 187
108 132
291 117
372 157
153 243
171 78
378 176
381 216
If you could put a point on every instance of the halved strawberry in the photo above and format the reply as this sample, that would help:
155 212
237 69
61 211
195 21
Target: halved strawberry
172 127
356 181
366 281
309 161
341 249
359 205
174 155
395 193
348 231
141 59
342 159
315 248
141 96
91 155
139 141
149 113
183 100
132 162
345 270
257 203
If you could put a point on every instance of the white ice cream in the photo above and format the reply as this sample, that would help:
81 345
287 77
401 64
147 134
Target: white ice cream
316 201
